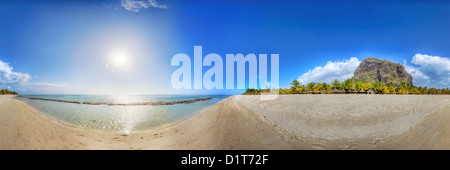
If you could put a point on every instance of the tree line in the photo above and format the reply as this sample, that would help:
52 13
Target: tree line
6 91
350 86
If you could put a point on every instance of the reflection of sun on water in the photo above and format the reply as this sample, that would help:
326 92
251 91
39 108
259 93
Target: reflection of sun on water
128 116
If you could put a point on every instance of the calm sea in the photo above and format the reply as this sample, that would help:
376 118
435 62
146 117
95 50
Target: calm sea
119 118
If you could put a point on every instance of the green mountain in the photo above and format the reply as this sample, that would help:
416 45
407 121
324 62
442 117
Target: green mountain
372 70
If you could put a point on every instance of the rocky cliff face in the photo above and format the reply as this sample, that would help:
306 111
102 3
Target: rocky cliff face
372 70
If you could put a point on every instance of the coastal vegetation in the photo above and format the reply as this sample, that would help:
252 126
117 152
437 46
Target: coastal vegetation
350 86
372 76
7 92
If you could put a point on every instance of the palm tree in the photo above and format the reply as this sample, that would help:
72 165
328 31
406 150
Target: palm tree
317 87
329 88
432 91
406 87
379 87
325 86
300 88
295 83
384 90
347 84
336 83
414 90
401 90
358 85
289 91
367 86
391 89
404 84
425 90
310 86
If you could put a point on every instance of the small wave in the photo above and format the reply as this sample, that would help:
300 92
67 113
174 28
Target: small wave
122 104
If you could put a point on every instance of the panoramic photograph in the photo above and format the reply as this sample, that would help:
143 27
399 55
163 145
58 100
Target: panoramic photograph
224 75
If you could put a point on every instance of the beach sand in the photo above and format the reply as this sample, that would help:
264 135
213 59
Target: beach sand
245 122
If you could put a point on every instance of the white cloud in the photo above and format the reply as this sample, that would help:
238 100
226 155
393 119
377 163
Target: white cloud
419 78
426 70
432 64
7 76
10 78
430 71
340 70
52 85
137 5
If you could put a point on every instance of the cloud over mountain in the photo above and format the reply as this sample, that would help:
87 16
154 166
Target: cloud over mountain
426 70
340 70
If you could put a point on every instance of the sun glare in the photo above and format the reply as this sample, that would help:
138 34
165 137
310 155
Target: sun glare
120 59
118 62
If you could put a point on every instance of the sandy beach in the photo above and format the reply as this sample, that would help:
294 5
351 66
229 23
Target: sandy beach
245 122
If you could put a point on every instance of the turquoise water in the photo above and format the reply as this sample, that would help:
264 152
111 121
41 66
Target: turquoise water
119 118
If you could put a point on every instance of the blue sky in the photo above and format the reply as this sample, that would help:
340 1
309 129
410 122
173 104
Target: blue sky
70 46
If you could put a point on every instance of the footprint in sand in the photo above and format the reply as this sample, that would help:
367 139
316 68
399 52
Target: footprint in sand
319 145
348 147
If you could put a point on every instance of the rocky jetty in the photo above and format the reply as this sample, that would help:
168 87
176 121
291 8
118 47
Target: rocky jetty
122 104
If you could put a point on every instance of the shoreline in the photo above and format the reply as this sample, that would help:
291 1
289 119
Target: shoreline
60 121
169 124
237 122
173 123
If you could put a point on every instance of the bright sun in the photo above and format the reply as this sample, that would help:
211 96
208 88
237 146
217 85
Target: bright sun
120 59
118 62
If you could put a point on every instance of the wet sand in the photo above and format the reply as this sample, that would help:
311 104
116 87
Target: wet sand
245 122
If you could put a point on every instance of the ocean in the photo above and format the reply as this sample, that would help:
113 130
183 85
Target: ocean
119 113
